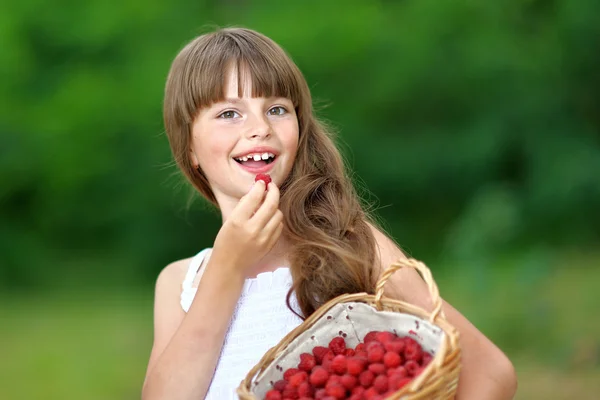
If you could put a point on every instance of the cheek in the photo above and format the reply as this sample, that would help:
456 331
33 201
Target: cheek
291 136
212 152
213 146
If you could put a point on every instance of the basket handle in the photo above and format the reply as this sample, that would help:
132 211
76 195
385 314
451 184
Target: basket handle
425 273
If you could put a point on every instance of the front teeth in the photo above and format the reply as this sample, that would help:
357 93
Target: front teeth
256 157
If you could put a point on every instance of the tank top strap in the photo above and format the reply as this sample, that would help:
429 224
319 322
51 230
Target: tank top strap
193 269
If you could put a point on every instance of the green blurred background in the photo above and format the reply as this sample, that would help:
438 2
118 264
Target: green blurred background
475 127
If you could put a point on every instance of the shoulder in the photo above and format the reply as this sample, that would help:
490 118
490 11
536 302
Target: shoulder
173 273
183 270
169 284
167 309
405 284
386 249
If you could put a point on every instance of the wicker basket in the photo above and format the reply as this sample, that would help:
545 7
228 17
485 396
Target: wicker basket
352 315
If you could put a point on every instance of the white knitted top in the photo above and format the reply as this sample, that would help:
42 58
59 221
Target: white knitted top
260 320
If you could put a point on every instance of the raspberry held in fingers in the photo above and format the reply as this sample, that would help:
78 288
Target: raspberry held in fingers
266 178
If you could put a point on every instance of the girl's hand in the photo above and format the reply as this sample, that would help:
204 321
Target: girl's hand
250 231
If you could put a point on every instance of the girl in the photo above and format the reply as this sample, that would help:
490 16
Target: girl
235 106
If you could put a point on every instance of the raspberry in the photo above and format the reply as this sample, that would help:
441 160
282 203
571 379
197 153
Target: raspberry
356 365
355 397
394 381
337 345
319 377
290 392
426 359
410 341
349 352
381 384
305 390
377 368
391 359
375 352
370 337
361 354
319 352
305 398
335 390
358 390
366 378
328 356
349 381
339 364
334 379
298 378
320 394
307 362
397 346
411 367
370 393
266 178
273 395
384 337
327 361
360 347
413 352
374 345
402 371
289 373
280 385
403 382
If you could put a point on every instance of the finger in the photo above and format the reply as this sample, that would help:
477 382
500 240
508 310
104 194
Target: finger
275 236
250 202
269 206
274 222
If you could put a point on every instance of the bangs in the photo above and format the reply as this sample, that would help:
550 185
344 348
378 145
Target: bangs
254 59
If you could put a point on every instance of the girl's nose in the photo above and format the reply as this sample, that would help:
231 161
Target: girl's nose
260 128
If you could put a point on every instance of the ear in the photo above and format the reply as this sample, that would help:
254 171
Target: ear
194 160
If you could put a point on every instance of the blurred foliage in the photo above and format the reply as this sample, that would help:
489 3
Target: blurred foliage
475 126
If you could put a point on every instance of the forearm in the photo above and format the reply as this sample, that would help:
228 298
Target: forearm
486 372
185 368
487 382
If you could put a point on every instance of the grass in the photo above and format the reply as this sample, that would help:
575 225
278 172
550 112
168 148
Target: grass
95 344
75 346
542 316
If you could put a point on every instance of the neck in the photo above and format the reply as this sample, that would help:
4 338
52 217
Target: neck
275 258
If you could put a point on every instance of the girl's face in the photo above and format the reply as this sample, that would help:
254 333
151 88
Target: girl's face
236 139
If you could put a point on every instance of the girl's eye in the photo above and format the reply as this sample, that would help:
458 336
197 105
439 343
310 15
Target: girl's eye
277 111
228 114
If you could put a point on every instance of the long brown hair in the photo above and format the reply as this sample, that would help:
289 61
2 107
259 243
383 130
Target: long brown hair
332 245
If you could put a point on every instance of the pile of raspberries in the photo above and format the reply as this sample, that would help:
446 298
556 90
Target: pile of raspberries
375 369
